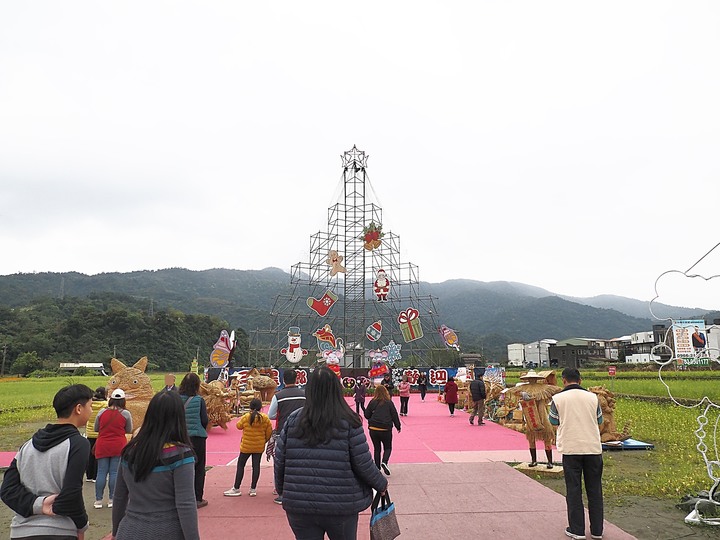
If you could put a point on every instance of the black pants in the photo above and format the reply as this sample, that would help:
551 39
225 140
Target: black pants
240 472
451 406
423 391
404 404
381 439
91 469
358 405
200 447
590 467
314 526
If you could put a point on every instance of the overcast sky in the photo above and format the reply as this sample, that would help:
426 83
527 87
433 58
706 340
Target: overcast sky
567 145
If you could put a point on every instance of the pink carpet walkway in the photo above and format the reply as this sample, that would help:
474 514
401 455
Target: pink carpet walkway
449 480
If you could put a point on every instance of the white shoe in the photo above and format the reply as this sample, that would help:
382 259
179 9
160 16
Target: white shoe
97 504
253 493
232 492
110 504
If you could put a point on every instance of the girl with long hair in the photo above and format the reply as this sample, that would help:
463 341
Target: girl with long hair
155 495
382 416
257 429
325 435
196 418
112 424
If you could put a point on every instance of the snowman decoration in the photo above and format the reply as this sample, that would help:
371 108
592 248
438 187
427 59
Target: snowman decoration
382 286
294 351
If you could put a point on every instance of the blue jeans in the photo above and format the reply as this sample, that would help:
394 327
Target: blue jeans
104 466
314 526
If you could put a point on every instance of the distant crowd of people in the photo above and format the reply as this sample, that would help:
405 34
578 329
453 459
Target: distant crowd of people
155 475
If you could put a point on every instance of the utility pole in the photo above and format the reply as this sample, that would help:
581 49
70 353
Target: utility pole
2 371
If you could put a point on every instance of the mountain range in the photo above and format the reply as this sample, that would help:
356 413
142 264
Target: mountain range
486 315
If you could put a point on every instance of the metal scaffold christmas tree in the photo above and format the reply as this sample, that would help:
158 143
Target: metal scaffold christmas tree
354 300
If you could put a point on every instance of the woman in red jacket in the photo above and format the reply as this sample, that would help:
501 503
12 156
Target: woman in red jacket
111 425
451 395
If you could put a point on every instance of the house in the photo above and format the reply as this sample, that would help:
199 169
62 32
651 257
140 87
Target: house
93 366
575 352
516 354
537 353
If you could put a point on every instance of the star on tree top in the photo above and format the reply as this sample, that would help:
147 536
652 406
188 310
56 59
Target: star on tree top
356 157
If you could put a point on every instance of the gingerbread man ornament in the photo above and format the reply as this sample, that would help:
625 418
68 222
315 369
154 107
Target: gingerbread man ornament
335 262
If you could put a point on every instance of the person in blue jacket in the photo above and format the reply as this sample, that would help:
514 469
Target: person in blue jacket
323 468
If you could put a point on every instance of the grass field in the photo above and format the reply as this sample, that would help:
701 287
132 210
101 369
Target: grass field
30 400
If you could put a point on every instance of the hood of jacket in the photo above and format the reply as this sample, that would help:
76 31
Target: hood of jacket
52 435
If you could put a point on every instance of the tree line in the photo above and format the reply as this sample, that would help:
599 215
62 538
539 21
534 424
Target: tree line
48 331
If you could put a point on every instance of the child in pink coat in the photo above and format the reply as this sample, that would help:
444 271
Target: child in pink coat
404 389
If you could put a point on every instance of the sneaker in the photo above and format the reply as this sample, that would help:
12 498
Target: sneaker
252 493
89 479
385 468
232 492
481 423
110 504
472 421
277 500
202 504
572 535
452 416
550 465
274 491
596 536
97 504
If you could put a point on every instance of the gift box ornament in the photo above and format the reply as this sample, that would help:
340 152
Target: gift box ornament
410 327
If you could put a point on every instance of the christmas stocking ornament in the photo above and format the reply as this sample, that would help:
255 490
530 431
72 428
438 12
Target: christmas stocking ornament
322 306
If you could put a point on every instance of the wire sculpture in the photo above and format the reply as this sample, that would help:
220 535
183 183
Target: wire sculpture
679 347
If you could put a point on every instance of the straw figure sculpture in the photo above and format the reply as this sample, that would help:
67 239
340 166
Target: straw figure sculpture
246 396
535 395
218 403
608 428
263 384
137 387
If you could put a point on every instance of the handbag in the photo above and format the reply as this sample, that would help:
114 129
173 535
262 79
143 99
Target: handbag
383 523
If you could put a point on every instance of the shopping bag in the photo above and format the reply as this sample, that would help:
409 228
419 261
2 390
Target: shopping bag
270 448
383 523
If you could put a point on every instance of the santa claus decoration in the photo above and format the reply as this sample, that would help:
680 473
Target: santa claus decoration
381 287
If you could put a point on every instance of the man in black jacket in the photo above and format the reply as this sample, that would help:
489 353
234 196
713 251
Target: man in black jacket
477 391
44 483
284 402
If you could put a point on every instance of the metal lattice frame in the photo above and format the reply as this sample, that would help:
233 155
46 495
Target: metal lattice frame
357 306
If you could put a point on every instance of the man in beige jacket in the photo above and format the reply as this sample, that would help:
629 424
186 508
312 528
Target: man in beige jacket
577 414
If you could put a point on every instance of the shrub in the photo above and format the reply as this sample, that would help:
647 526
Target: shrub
42 374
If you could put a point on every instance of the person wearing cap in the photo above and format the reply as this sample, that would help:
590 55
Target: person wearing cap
577 414
44 482
112 424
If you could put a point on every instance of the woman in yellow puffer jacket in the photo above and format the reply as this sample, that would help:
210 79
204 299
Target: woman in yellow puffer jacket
99 402
257 429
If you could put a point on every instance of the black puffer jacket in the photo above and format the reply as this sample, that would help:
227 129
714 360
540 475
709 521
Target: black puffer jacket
477 389
333 478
